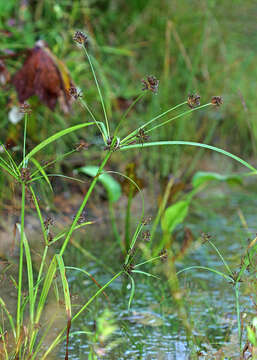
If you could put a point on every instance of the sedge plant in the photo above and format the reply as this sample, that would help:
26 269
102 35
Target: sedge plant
28 337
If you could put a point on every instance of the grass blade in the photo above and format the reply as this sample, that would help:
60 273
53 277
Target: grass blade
132 293
53 138
42 171
66 293
190 143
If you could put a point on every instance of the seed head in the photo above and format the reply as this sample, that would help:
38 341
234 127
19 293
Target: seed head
205 237
80 38
146 220
25 175
217 100
163 255
142 136
128 268
146 235
48 222
25 108
151 83
74 92
193 100
82 145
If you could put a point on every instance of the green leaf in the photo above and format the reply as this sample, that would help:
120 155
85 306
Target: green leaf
191 143
174 215
42 171
202 177
252 337
53 138
112 186
65 285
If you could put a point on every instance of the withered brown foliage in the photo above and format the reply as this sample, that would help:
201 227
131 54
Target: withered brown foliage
44 75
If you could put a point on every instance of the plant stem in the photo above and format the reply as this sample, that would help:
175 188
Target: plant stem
127 222
99 90
91 187
178 116
150 121
84 104
23 189
238 315
24 140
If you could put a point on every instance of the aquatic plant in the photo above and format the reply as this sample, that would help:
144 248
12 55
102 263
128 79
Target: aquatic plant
28 338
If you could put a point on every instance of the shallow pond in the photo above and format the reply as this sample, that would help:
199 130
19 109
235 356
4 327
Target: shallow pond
151 329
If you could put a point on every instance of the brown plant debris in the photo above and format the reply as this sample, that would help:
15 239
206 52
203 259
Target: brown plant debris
44 75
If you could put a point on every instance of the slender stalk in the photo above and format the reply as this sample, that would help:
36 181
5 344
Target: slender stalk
178 116
24 140
127 221
40 272
18 321
238 315
92 185
99 90
150 121
84 104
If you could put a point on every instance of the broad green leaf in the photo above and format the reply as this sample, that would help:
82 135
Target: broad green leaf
174 215
202 177
112 186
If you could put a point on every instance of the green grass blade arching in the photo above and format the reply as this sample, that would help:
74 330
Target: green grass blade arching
42 171
67 299
227 277
132 292
190 143
53 138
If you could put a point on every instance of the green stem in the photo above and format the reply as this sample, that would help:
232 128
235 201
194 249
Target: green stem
92 185
18 321
84 104
178 116
99 90
150 121
127 222
24 140
238 315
